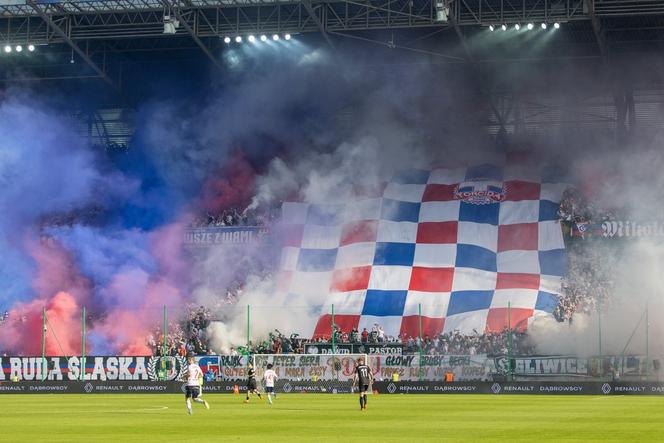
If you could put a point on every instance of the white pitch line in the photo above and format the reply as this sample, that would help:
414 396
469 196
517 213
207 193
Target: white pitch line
70 411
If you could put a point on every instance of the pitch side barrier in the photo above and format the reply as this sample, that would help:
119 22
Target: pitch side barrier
387 388
333 367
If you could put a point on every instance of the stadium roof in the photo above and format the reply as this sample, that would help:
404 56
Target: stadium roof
602 36
40 21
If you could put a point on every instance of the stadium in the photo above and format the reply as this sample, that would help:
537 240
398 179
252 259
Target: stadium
327 220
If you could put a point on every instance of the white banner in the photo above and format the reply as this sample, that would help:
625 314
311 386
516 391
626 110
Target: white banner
632 229
299 367
408 367
431 367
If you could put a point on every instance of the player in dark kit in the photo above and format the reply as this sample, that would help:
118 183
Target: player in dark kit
251 383
364 378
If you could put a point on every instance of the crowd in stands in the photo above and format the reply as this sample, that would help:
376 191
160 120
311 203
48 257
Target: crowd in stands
185 335
451 343
589 281
276 343
576 208
5 318
234 290
492 343
445 343
234 217
87 215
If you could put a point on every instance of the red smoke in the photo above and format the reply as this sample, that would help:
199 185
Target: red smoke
63 328
232 187
57 271
61 289
127 329
137 300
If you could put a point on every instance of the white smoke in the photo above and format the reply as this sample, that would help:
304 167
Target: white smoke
628 178
409 123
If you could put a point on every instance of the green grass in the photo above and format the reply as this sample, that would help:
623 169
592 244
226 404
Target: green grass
121 418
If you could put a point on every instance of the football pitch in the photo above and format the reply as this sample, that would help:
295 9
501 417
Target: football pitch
330 418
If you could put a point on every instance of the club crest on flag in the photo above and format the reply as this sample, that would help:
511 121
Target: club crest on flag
480 192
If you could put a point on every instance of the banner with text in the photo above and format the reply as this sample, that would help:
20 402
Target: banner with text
431 367
353 348
618 229
96 368
407 367
571 366
224 367
228 235
299 367
294 387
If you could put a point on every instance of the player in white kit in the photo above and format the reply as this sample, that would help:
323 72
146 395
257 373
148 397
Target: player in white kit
269 377
192 390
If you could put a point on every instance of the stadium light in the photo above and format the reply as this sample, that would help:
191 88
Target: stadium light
238 39
491 28
287 36
504 27
517 26
227 40
556 25
530 26
275 37
170 24
251 39
19 48
442 11
31 48
543 25
8 49
263 38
